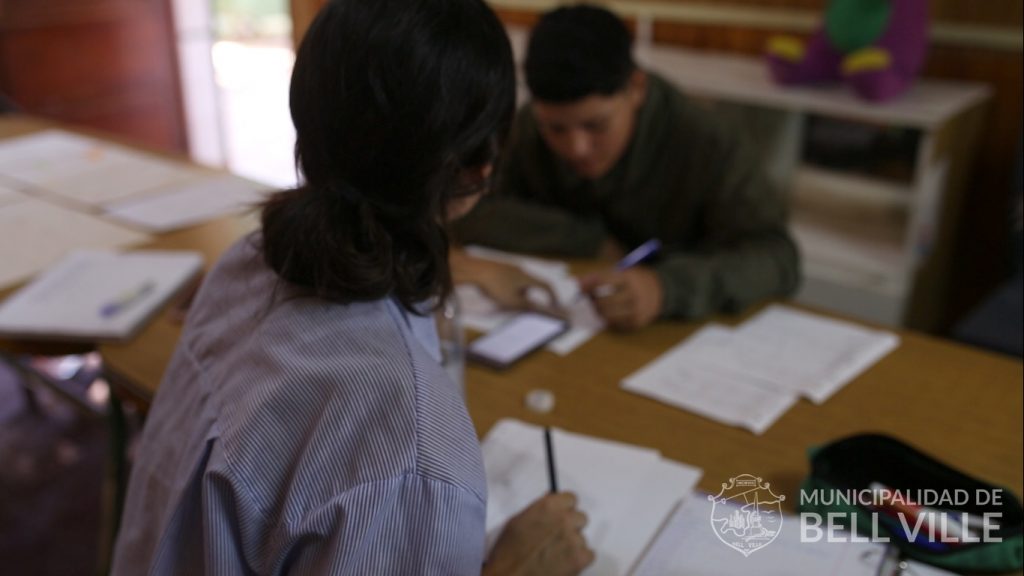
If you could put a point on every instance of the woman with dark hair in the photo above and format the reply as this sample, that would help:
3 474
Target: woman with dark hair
304 425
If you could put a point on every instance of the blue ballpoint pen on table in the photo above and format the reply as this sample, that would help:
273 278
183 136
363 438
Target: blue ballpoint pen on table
635 256
125 300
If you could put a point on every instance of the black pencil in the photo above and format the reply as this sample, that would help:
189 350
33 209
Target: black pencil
552 477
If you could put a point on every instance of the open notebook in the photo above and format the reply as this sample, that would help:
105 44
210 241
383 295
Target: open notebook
94 295
749 376
646 519
626 491
688 546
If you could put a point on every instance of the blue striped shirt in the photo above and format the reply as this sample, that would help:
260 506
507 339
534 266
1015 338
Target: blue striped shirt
291 435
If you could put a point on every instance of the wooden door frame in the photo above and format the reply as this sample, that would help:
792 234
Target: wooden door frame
303 12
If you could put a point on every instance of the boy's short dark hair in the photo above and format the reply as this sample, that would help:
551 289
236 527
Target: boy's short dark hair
578 51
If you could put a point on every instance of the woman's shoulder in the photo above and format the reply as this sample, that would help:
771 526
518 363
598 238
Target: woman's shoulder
333 397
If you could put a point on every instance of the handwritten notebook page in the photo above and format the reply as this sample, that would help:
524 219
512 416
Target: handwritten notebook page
685 377
807 353
751 375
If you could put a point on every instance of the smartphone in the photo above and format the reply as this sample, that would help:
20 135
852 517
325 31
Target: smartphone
515 339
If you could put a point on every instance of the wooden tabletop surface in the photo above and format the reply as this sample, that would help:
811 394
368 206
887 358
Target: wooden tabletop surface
961 405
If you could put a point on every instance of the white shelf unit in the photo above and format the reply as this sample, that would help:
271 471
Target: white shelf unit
864 240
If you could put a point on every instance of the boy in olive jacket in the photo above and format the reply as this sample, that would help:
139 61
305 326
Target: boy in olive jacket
608 156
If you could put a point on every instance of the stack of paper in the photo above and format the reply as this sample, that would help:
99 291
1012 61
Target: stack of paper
807 353
691 376
688 546
97 177
627 492
750 376
190 203
97 295
35 235
483 314
85 170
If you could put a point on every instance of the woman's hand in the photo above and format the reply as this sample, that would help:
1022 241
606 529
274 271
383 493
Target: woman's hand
545 539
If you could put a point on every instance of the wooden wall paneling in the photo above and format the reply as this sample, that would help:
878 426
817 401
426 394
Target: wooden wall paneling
938 279
982 252
303 12
1009 13
110 65
524 18
994 12
29 13
713 38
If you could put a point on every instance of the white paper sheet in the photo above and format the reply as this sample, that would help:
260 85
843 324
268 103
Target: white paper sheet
191 203
806 353
626 491
481 313
97 295
8 194
684 377
687 546
542 266
34 235
87 170
751 375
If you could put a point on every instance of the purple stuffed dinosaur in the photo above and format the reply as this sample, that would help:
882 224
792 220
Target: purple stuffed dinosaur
877 46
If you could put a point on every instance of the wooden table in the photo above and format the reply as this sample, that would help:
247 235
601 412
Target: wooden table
961 405
964 406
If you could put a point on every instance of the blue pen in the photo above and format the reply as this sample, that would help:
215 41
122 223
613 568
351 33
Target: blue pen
114 307
639 254
636 256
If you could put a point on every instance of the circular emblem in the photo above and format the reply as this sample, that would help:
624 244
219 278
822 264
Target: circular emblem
746 515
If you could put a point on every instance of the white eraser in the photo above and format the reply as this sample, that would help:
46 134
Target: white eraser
540 401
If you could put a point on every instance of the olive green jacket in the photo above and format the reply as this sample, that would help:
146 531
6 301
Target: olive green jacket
686 178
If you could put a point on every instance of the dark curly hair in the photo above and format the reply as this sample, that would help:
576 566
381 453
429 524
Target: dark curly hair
392 100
